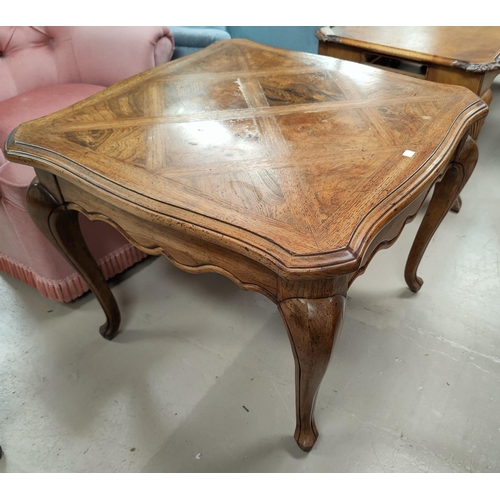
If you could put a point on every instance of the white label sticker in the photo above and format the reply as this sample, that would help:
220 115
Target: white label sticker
408 153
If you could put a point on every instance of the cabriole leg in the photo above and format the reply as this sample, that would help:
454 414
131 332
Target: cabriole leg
60 226
312 325
445 192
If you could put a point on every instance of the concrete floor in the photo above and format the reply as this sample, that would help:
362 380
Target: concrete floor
201 379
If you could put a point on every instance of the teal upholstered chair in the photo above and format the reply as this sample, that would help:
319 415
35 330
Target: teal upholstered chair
189 39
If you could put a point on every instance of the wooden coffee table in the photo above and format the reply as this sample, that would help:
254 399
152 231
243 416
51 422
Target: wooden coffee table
459 55
283 171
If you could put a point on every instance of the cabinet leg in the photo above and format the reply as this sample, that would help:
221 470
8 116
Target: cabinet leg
312 325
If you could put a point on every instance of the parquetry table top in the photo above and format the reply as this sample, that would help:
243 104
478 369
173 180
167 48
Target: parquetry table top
297 155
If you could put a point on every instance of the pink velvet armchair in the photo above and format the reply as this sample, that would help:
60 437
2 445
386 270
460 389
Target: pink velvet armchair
42 70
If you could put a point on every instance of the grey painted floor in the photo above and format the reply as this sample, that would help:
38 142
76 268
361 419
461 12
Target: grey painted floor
202 379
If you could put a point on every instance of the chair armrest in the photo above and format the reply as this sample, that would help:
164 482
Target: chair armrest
108 54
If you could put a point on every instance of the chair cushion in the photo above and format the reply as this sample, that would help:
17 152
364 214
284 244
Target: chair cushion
15 178
40 102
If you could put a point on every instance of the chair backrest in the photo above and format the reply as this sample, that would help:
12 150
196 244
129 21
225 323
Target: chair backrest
35 56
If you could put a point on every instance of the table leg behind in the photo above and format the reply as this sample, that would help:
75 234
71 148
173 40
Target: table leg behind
312 325
445 193
457 205
61 227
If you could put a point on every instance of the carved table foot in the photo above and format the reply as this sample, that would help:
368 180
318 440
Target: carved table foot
445 193
312 325
61 227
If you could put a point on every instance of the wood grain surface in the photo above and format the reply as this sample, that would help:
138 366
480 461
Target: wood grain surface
297 155
477 48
